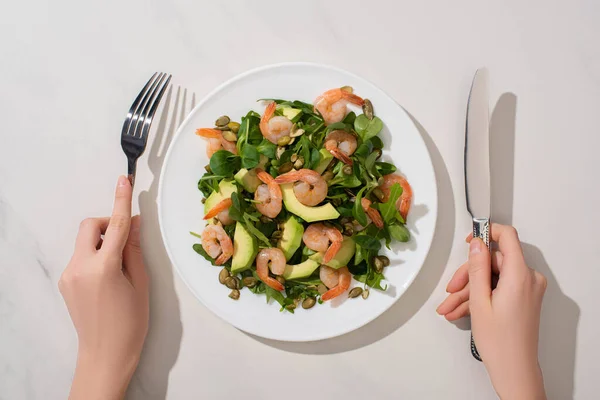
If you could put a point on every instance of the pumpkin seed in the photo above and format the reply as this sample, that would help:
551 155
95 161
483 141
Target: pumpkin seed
249 281
279 152
355 292
234 126
264 219
277 235
308 302
280 279
235 294
286 167
292 140
348 229
222 128
321 288
337 202
327 176
223 275
348 89
232 282
203 200
294 133
379 194
365 294
379 153
230 136
293 157
347 170
222 120
378 264
207 168
385 260
290 307
282 141
368 109
299 163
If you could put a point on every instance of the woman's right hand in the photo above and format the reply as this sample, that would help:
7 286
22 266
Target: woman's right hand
505 321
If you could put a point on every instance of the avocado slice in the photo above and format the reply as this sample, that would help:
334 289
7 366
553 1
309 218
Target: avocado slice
325 160
293 114
226 187
245 249
291 237
302 270
309 214
248 179
342 257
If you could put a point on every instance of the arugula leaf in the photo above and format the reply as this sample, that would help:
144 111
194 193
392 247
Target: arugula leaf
267 148
372 279
315 158
366 128
250 156
388 209
399 232
385 168
254 231
209 183
367 242
357 210
224 163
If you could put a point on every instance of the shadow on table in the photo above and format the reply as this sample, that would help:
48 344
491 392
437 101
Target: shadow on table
560 314
417 293
161 348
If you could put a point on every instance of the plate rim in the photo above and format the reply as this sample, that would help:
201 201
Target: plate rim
232 80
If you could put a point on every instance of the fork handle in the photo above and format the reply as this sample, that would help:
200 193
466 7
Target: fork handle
481 230
131 166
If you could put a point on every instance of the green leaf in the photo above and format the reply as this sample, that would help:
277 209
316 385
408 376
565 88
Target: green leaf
250 156
367 242
399 232
372 279
388 209
358 255
249 225
376 142
196 235
315 158
357 210
350 118
366 128
385 168
238 206
370 162
224 163
364 149
200 250
267 148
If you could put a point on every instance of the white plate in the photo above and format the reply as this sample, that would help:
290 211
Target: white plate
181 211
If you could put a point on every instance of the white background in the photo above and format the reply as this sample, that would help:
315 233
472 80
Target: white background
69 71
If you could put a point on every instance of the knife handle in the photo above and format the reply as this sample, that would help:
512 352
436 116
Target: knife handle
481 230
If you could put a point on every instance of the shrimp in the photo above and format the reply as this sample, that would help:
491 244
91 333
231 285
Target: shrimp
217 244
274 128
341 145
403 203
317 237
270 258
221 211
312 188
332 104
268 195
337 280
216 141
372 213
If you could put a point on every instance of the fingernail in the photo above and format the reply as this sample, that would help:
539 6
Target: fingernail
123 181
475 247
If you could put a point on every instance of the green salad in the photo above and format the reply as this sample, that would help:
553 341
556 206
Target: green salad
298 203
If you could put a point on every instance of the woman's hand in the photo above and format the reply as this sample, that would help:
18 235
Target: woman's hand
105 287
505 321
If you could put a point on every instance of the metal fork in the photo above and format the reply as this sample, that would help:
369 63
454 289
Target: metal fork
134 135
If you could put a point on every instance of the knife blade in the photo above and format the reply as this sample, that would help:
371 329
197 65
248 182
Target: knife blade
477 163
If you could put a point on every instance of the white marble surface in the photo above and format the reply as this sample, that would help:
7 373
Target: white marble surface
70 70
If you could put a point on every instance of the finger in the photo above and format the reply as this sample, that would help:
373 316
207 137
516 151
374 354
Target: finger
118 228
133 260
90 233
459 279
507 238
480 275
453 301
460 311
461 276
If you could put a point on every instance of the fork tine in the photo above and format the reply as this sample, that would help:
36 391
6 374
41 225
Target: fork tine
136 104
148 119
139 112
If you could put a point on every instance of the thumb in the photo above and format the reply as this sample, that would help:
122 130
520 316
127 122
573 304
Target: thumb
133 260
480 276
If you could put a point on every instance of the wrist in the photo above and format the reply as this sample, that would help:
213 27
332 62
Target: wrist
99 378
526 385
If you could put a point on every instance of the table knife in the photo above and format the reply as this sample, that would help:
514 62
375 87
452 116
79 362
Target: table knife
477 163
